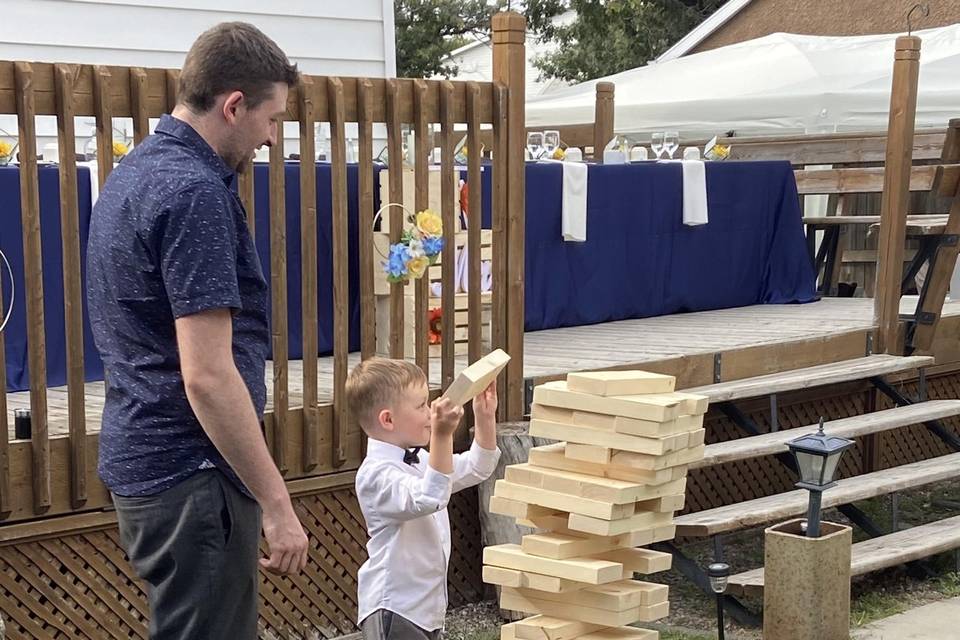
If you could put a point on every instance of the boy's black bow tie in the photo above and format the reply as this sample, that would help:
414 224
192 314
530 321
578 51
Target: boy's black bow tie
410 455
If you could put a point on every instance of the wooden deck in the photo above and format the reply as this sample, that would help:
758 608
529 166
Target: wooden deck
680 339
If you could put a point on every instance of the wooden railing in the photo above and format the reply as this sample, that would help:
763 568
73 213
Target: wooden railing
48 475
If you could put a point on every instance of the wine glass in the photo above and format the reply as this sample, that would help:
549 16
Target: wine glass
535 144
671 142
656 144
551 142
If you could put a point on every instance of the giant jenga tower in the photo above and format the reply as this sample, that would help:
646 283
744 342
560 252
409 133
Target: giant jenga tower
610 487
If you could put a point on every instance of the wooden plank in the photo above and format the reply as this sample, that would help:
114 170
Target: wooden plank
816 376
368 333
395 150
606 439
474 223
548 628
588 486
6 504
171 79
553 457
654 407
33 277
498 266
620 424
896 192
577 569
278 292
620 383
526 580
874 554
572 545
447 197
308 271
138 104
519 600
647 462
245 191
104 122
614 596
421 202
852 427
72 285
657 522
562 501
794 503
644 561
621 633
867 180
341 283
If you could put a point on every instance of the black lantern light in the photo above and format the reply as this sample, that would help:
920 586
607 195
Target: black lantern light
719 572
818 456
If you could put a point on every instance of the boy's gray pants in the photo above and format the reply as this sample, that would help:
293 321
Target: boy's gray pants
387 625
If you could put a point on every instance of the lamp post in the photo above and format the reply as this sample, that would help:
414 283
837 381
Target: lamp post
718 573
817 456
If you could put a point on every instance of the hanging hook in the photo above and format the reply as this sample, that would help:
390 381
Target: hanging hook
925 8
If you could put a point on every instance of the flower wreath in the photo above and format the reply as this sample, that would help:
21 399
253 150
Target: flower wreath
418 248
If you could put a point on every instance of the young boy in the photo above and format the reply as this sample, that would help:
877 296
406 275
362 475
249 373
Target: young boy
403 586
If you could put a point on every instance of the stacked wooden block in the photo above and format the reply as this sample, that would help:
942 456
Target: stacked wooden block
609 487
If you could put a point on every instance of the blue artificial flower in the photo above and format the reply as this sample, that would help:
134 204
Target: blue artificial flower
432 246
396 265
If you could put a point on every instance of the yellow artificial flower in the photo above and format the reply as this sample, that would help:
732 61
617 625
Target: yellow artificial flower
416 267
559 154
429 223
5 149
120 149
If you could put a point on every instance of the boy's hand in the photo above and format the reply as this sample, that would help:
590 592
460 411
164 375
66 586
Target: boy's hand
445 416
485 405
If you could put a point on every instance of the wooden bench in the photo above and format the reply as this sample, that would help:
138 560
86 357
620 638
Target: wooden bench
884 552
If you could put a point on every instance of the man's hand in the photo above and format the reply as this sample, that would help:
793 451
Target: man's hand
286 541
445 416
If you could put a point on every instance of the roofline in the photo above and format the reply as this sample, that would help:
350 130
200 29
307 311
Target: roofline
703 30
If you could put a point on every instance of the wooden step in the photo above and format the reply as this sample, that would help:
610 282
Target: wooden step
783 506
875 554
853 427
818 376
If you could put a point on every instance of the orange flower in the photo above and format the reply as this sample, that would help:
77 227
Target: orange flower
434 325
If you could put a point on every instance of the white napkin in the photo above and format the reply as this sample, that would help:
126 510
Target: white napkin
574 209
694 193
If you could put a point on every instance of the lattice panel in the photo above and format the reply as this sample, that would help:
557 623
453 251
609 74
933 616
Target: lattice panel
81 587
915 443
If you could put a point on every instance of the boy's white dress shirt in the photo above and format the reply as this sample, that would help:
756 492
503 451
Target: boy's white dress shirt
405 507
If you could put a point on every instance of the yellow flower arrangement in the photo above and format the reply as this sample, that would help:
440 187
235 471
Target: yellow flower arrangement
120 149
559 154
429 223
5 149
416 267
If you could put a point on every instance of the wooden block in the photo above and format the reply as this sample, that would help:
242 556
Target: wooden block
621 633
549 628
693 403
576 569
658 407
526 580
589 486
508 631
521 600
562 501
666 504
559 546
552 456
658 522
650 429
647 462
620 383
615 596
520 510
608 439
476 377
697 438
640 560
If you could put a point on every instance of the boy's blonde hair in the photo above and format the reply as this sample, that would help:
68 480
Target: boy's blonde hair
375 383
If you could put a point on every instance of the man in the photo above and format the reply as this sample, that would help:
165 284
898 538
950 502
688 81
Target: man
178 307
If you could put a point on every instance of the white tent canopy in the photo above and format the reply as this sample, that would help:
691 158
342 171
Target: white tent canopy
778 84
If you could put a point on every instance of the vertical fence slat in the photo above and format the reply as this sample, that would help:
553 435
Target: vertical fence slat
33 274
395 151
72 286
104 121
278 279
245 191
474 224
449 260
5 506
341 316
368 311
308 269
498 311
172 79
421 201
138 104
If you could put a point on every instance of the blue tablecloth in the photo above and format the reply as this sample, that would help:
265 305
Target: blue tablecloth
12 245
639 259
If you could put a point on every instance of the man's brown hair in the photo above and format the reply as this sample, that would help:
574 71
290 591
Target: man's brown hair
375 383
233 56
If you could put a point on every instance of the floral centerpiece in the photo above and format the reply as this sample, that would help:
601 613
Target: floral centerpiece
6 152
418 248
119 150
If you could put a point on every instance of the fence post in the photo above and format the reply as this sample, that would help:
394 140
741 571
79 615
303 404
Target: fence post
602 119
